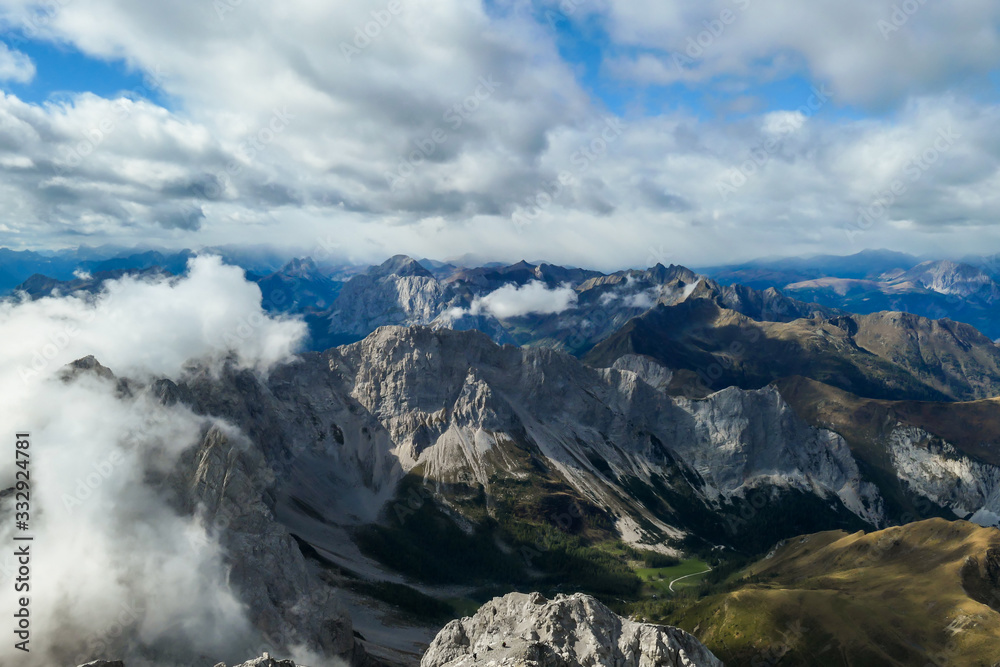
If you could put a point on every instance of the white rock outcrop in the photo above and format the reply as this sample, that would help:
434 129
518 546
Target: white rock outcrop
568 631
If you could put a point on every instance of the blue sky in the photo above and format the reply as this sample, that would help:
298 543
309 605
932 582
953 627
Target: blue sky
266 132
63 71
585 44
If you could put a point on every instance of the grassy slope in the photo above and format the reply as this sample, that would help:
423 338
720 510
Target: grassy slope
892 597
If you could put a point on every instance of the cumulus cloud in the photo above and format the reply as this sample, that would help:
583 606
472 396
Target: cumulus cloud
115 569
453 119
446 108
871 52
142 326
514 301
15 66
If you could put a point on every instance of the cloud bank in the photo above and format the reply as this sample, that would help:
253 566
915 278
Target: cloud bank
457 118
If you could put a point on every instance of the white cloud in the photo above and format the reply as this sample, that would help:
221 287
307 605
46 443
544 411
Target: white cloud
514 301
15 66
871 52
113 563
643 299
345 125
152 325
212 169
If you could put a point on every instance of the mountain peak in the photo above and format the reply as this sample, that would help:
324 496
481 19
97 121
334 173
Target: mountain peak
300 266
399 265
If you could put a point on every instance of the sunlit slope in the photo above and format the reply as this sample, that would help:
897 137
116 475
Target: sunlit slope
912 595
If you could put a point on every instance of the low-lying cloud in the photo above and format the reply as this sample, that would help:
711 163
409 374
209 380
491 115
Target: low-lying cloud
513 301
150 325
116 571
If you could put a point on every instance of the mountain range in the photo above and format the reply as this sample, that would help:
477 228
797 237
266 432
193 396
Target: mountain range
456 434
872 281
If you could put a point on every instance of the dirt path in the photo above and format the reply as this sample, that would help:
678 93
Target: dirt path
696 574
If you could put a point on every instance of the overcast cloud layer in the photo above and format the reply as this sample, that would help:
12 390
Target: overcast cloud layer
454 127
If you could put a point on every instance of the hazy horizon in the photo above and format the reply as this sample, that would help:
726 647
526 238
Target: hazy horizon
470 260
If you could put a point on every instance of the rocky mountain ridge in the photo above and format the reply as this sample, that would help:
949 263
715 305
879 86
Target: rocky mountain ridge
881 355
964 291
456 410
226 484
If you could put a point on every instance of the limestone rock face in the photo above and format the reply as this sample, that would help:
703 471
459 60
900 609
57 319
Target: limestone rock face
568 631
229 484
442 396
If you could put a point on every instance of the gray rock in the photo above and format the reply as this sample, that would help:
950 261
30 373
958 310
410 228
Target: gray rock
264 661
228 482
569 631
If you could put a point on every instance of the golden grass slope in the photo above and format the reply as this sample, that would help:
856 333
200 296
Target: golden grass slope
892 597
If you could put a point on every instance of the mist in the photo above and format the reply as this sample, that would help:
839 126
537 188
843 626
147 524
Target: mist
116 571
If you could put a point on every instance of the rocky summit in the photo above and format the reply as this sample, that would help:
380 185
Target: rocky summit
567 631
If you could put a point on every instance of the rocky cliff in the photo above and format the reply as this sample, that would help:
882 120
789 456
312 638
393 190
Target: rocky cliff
343 428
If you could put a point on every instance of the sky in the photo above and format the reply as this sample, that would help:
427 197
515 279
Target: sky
601 133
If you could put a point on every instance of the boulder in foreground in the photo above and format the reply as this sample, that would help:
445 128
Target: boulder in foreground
568 631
